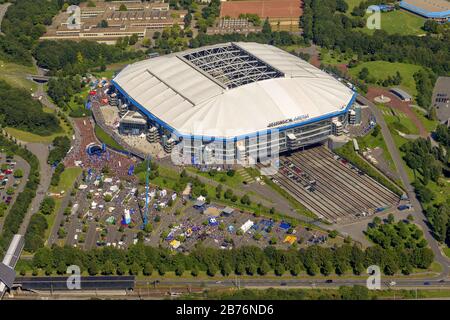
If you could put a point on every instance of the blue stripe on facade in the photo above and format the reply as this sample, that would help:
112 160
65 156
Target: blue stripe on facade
423 12
237 138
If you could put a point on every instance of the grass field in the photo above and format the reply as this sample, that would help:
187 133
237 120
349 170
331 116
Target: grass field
221 177
369 141
66 183
399 22
397 120
67 179
383 69
106 139
15 75
447 251
333 58
430 125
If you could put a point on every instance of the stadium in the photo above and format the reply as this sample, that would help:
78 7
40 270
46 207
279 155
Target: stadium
438 10
234 101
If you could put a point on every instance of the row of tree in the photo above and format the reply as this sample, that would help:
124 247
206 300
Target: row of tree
313 260
79 57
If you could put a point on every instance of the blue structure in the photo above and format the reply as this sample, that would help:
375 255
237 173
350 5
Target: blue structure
95 149
415 6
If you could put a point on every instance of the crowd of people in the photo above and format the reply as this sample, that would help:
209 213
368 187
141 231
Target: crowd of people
115 161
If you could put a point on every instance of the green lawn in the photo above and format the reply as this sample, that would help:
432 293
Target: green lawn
15 75
347 152
399 22
369 141
447 251
430 125
65 184
221 177
398 120
332 57
67 179
106 139
352 4
383 69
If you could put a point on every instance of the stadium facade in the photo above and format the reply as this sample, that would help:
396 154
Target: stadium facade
235 101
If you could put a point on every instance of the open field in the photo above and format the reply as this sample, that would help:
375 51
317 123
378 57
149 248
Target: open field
15 75
398 121
66 182
106 139
399 22
383 69
430 125
67 179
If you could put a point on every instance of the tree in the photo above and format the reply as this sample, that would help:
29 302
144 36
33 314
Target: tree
148 269
266 29
103 24
18 173
121 268
123 7
134 269
133 39
264 268
364 73
194 271
226 269
108 268
280 269
92 267
179 270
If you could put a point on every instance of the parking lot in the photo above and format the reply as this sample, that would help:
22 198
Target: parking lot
331 187
11 185
107 211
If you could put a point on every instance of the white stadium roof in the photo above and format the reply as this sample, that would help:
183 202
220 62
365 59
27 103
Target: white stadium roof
232 89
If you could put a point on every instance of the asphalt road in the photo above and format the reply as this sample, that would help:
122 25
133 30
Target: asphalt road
3 9
417 212
41 152
127 282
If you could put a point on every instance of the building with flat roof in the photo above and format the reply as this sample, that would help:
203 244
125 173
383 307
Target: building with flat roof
235 101
133 123
282 14
402 94
105 21
438 10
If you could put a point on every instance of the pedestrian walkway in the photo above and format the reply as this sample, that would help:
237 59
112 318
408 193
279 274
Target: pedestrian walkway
247 178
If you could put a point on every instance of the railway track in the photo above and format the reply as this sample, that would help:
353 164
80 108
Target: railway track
340 193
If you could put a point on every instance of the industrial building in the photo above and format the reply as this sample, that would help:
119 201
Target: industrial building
235 102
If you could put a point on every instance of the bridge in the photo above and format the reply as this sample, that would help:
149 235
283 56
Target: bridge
7 273
38 78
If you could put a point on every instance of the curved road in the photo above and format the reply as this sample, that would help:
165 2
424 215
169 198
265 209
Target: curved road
419 216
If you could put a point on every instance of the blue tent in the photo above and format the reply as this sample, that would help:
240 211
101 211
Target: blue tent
285 225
